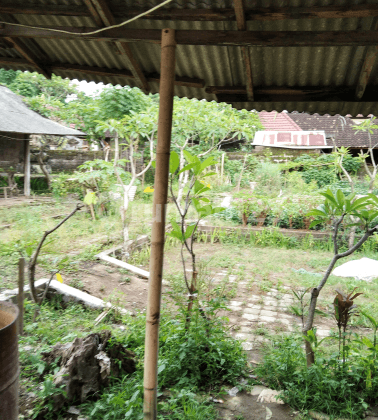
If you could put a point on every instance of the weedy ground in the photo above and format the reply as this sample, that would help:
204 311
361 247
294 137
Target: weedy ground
264 263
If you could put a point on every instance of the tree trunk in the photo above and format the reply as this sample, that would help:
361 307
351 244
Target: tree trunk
43 169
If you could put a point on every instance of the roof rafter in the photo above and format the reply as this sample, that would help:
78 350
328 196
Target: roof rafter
367 67
231 94
241 24
223 14
108 19
204 37
25 52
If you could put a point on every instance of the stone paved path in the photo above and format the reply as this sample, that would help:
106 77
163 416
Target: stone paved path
253 316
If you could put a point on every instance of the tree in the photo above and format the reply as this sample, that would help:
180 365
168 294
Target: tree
368 126
132 129
337 207
205 127
117 101
194 197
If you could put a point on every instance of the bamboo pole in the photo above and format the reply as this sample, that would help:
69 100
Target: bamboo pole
167 77
20 297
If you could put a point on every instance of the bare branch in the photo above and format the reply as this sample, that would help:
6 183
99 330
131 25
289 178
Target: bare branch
33 259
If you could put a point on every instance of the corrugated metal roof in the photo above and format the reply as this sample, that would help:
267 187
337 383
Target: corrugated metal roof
295 67
16 117
337 128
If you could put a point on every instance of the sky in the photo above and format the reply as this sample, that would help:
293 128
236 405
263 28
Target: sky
89 88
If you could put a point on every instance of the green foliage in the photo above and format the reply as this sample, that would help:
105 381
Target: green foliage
268 177
325 168
233 168
338 205
117 101
323 387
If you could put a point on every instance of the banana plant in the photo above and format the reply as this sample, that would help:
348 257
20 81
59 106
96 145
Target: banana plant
195 196
336 207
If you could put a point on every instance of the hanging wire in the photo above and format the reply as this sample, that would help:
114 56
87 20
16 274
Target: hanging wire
62 31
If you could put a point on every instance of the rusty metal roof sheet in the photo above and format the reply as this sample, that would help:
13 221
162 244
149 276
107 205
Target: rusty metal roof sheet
315 79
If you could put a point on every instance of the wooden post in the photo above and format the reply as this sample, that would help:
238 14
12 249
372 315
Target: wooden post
27 168
20 298
167 77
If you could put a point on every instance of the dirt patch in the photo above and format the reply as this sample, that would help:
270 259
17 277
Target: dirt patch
245 406
113 285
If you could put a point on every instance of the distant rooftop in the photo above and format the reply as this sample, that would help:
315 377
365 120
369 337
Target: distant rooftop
278 121
16 117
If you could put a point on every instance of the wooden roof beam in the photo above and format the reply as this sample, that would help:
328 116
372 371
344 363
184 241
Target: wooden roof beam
35 9
109 20
367 67
242 26
93 13
205 37
26 53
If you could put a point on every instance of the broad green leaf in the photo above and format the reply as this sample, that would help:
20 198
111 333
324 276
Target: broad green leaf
315 223
187 167
218 210
208 174
174 162
316 212
340 198
189 231
329 196
153 163
176 227
208 162
367 342
191 158
370 318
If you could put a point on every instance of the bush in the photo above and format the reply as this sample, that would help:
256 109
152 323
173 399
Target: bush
268 177
326 386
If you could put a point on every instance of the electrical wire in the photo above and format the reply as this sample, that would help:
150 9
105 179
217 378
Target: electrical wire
62 31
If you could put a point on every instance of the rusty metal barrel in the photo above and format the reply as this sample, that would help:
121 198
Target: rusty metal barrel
9 368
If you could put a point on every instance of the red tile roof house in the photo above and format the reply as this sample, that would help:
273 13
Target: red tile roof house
282 134
338 130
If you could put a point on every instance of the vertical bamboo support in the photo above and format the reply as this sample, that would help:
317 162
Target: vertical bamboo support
167 77
20 298
27 168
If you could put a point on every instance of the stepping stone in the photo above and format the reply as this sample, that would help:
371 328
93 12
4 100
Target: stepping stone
286 321
235 308
266 312
245 329
247 346
270 302
252 311
236 303
250 317
265 318
254 306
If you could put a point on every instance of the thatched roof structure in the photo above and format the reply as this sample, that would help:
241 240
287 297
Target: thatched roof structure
16 117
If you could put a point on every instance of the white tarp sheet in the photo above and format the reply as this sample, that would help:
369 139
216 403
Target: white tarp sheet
363 269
